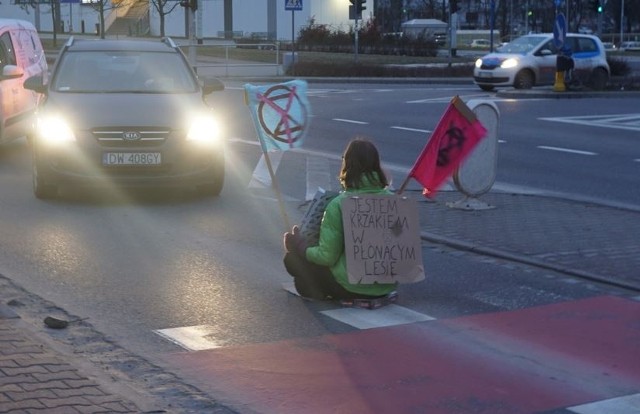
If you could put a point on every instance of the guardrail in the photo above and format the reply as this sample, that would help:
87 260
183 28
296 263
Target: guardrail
225 60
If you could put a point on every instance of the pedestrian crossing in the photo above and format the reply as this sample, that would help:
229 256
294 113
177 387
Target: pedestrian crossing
571 357
628 404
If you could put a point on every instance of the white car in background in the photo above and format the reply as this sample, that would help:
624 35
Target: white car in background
480 43
630 46
530 61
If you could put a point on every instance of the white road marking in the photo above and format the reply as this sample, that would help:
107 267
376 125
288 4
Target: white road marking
448 99
430 100
629 404
318 176
191 338
350 121
389 315
571 151
426 131
497 186
261 178
630 122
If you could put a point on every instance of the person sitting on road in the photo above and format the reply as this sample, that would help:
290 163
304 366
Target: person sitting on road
320 272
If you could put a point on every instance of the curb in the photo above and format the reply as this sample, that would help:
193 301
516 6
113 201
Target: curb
550 94
502 254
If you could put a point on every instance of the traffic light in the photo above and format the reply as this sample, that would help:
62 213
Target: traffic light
362 5
358 6
596 6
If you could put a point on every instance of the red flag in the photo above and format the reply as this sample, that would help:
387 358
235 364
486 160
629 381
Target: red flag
457 133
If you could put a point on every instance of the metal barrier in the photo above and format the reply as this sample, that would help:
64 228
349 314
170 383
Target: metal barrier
208 60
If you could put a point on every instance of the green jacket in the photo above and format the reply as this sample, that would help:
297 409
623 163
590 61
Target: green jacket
330 249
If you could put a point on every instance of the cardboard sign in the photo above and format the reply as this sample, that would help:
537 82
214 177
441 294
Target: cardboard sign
382 239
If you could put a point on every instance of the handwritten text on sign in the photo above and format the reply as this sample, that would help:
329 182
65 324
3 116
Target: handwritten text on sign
382 239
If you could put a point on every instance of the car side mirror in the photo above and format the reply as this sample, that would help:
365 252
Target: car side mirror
35 83
11 72
210 85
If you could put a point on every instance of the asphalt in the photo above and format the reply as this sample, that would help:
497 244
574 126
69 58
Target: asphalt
42 372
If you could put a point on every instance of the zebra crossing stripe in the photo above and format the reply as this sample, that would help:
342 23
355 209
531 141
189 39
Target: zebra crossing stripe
261 177
629 404
390 315
191 338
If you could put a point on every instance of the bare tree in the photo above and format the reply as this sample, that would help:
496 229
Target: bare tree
428 8
164 7
103 6
28 5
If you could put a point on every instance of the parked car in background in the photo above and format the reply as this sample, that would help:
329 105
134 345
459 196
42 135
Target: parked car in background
530 61
481 43
440 39
21 56
609 46
630 46
125 113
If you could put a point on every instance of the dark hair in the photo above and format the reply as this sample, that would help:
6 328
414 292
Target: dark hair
361 160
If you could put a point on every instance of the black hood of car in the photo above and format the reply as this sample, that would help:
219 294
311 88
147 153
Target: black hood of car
92 110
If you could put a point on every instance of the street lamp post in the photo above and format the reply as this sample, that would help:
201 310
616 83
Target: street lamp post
621 22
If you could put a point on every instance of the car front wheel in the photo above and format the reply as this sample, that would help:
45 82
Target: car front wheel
487 88
524 80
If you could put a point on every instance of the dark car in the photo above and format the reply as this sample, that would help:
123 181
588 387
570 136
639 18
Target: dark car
126 113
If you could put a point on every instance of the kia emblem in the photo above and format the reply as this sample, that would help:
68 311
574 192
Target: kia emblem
131 135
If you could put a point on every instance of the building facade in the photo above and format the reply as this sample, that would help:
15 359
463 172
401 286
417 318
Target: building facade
266 19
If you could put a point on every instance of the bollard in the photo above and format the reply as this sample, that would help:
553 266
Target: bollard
559 86
563 64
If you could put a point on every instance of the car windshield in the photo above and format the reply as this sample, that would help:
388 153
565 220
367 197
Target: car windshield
123 72
523 44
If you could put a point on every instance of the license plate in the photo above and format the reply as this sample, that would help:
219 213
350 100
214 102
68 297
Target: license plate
485 74
131 158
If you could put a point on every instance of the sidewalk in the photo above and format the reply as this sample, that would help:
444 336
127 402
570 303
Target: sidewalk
77 370
575 237
35 377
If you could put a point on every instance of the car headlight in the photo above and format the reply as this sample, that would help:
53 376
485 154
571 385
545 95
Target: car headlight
478 63
54 129
205 129
509 63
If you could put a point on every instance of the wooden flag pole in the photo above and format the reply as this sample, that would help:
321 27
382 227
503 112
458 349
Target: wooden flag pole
276 188
404 184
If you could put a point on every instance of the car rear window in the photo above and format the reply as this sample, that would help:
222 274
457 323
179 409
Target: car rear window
116 71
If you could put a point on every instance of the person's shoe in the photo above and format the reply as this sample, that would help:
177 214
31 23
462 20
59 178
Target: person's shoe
371 303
